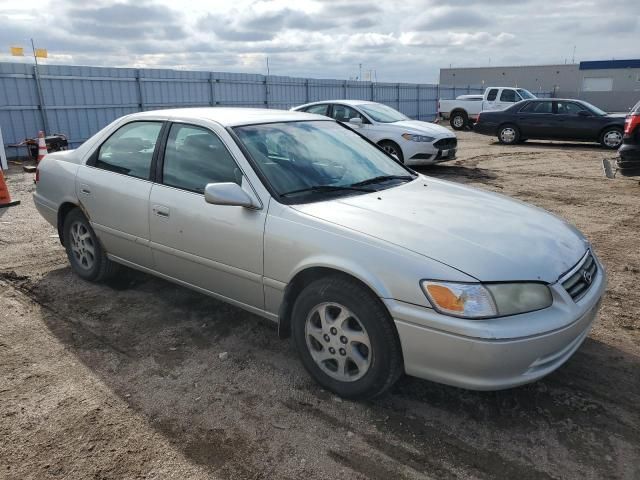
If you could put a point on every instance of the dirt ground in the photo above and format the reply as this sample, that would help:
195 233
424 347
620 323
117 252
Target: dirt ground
125 380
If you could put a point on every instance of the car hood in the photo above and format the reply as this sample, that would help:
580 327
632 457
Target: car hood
485 235
416 126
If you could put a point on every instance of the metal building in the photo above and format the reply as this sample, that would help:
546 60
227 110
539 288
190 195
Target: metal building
613 85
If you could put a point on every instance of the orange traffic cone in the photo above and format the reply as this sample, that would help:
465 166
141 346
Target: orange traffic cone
5 198
42 147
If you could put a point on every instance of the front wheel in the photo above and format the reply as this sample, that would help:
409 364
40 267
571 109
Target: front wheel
86 255
392 149
346 338
508 135
611 138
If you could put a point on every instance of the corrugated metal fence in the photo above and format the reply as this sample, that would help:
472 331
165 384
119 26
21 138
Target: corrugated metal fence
79 101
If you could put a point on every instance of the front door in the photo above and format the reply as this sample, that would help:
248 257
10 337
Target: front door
215 247
114 186
575 122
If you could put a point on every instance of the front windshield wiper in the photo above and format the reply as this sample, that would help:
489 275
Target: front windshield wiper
328 188
382 178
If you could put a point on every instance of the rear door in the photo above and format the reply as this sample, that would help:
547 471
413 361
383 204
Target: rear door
114 186
490 102
536 119
214 247
508 96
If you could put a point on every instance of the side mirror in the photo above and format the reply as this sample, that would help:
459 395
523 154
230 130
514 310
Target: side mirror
584 113
227 193
355 121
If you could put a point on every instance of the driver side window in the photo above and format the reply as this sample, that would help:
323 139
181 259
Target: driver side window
343 114
195 156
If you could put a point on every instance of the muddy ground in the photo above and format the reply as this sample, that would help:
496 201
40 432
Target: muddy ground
125 381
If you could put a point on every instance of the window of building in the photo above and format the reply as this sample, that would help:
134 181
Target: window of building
597 84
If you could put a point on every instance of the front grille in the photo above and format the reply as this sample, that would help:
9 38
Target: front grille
584 274
446 143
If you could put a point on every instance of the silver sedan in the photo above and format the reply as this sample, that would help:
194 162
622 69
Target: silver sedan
373 269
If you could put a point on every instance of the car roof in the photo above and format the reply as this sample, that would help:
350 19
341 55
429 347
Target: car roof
228 117
351 103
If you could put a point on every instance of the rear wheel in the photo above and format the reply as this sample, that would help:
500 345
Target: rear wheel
459 120
346 338
611 137
86 255
393 149
508 134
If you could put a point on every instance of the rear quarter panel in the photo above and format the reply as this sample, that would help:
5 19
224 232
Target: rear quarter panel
56 185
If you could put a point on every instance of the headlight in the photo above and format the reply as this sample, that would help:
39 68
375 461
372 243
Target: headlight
417 138
474 300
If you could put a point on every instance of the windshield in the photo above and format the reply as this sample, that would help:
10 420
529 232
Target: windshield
307 161
382 113
525 94
594 109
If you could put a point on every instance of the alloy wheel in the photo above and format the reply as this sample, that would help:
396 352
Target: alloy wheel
82 245
508 135
458 121
338 342
613 138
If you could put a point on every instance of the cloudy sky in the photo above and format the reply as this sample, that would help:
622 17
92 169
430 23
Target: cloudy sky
405 40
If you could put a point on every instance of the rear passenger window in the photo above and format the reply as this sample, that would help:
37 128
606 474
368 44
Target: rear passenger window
130 149
318 109
508 96
195 156
493 93
538 107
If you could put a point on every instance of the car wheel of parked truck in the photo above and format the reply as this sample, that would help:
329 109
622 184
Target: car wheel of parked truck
346 338
86 256
459 120
508 134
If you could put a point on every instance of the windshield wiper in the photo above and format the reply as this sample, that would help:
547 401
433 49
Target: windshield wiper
328 188
382 178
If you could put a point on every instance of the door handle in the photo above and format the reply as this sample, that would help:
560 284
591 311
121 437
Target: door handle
161 211
84 189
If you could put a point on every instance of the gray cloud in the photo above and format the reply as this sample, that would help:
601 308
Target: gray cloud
452 19
128 21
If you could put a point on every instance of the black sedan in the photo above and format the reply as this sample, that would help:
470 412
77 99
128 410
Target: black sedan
552 119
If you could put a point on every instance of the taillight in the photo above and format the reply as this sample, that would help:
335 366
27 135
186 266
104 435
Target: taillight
631 122
478 118
37 179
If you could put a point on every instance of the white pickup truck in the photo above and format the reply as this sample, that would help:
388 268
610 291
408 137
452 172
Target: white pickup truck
464 109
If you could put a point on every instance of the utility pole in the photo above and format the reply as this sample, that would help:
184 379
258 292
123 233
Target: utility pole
573 56
360 71
36 74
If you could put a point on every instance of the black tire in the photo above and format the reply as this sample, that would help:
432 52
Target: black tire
385 361
100 267
608 134
508 134
392 148
459 120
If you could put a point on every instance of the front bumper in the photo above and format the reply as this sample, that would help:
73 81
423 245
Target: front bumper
422 153
499 353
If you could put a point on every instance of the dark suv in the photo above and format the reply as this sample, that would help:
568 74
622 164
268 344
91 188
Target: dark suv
629 152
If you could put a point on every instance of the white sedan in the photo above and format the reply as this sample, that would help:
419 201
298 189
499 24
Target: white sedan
413 142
